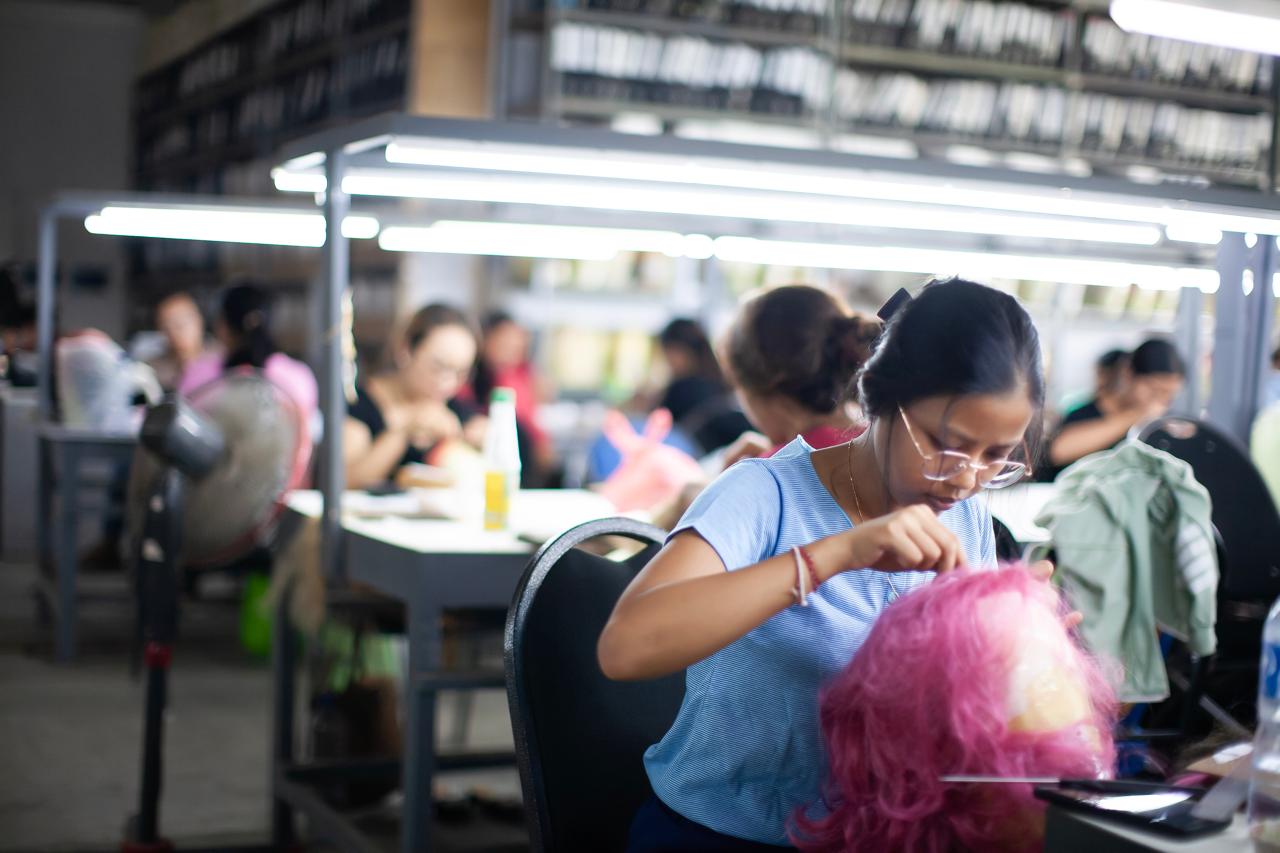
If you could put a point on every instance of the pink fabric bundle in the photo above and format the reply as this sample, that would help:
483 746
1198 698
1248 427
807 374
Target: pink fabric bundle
972 674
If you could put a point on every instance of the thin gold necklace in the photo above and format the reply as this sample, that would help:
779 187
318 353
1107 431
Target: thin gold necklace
862 517
857 503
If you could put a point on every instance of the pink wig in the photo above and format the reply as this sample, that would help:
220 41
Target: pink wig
939 688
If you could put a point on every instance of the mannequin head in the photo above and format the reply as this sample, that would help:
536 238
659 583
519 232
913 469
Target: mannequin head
972 674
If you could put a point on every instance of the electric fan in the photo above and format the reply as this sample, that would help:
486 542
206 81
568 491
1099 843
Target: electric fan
206 490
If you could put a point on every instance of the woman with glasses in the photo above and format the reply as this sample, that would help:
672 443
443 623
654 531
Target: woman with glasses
774 576
399 417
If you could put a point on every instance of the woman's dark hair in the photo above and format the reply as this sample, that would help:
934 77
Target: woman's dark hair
15 311
246 311
494 320
798 341
683 333
483 378
1112 359
955 338
1156 355
437 315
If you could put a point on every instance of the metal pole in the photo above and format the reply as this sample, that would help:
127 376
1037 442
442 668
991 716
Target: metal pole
1229 335
47 258
332 400
1187 332
1266 268
1241 331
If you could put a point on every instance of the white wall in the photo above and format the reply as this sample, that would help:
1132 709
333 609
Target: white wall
66 71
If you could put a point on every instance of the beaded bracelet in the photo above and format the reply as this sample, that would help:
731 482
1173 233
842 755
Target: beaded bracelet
798 590
808 562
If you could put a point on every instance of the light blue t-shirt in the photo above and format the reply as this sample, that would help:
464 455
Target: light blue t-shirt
746 748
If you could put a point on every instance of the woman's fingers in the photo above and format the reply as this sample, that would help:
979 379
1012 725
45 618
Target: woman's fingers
936 545
1072 619
1042 569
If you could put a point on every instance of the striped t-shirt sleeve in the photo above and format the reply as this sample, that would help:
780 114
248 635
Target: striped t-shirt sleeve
738 515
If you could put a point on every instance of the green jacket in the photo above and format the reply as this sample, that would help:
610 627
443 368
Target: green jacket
1135 549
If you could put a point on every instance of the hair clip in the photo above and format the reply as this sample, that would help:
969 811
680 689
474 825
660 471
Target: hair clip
895 302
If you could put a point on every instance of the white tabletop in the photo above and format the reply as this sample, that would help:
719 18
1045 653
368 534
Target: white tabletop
443 521
1017 507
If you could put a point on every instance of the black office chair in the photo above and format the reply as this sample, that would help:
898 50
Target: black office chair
1243 511
1008 549
580 737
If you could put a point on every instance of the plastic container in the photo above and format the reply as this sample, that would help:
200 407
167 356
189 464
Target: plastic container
501 460
1264 779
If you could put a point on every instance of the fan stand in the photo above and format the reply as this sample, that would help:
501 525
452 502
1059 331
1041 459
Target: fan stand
157 595
157 586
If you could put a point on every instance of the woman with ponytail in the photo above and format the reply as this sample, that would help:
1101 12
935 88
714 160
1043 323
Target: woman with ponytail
793 352
243 328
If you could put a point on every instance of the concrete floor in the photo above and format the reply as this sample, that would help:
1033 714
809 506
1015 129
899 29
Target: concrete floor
70 735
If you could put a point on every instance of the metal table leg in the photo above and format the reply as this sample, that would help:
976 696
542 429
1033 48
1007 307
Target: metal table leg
418 771
284 684
65 552
44 513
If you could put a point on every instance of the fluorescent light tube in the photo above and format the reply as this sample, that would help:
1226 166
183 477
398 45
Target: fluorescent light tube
358 227
617 175
1193 233
722 172
1252 25
535 241
806 197
977 265
225 226
281 228
289 181
729 203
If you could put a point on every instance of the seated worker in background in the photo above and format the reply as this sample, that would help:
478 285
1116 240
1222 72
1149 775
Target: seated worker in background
17 332
792 353
400 417
243 328
701 402
1108 380
179 319
1152 380
503 362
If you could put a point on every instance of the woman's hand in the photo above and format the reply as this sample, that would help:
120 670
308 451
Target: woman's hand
1043 570
749 445
906 540
427 427
396 419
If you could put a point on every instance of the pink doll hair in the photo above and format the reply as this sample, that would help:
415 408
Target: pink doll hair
928 694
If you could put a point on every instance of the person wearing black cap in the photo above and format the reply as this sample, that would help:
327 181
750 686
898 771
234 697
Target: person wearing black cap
1152 380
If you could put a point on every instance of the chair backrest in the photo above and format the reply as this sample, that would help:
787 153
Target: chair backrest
1243 511
580 737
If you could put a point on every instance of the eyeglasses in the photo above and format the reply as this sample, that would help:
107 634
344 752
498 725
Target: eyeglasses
946 464
444 370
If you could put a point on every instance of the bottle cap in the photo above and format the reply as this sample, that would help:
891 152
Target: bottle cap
503 395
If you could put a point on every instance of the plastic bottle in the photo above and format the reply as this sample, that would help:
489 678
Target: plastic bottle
501 459
1264 781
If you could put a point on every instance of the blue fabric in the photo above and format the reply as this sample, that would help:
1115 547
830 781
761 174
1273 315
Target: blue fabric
603 458
746 748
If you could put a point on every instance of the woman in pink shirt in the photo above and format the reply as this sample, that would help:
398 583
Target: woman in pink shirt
243 328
